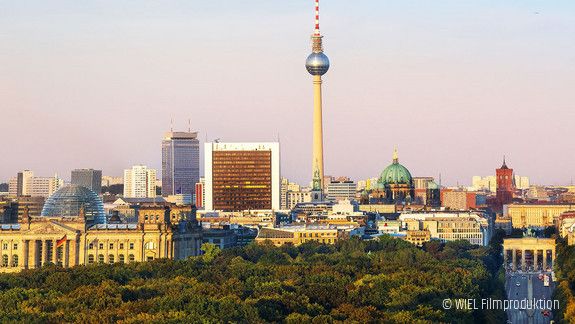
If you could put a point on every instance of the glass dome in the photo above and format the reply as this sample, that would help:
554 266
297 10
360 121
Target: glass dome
68 201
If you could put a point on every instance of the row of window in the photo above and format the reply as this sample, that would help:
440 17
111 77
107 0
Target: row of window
110 246
5 261
111 258
6 246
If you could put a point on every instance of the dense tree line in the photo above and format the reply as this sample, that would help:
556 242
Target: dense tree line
385 280
565 291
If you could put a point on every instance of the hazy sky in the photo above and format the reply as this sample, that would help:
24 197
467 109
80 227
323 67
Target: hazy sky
454 84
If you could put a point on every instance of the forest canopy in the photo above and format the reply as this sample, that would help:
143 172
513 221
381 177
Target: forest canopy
385 280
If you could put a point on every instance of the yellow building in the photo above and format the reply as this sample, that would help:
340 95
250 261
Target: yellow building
378 208
297 235
68 241
535 215
417 237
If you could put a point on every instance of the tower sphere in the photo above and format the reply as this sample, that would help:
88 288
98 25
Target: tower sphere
317 63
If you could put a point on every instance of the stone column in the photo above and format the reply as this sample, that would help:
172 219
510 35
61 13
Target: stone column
523 265
544 260
66 254
552 258
514 263
23 257
44 253
505 258
54 252
10 253
73 249
535 260
34 255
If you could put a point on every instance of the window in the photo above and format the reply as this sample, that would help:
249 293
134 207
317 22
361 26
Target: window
111 246
121 246
131 258
91 246
146 217
90 259
101 246
5 246
150 245
131 246
111 258
150 258
15 260
121 258
15 246
101 258
5 260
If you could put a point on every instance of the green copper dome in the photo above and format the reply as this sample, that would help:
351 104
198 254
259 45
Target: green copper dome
395 173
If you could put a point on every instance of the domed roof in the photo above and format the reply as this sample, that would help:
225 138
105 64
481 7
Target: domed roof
68 201
317 63
395 173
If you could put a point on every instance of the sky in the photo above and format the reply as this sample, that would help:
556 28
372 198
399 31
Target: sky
455 85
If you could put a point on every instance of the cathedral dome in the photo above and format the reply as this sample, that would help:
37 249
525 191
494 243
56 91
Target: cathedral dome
395 173
69 200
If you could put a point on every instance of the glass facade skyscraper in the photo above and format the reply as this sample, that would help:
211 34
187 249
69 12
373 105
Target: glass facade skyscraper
180 163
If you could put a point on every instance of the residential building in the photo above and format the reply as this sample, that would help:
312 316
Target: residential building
139 182
26 184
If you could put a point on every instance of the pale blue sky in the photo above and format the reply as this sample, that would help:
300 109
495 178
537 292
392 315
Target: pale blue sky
454 84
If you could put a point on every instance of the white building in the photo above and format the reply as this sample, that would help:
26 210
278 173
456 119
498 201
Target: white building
26 184
450 226
341 190
139 182
242 176
298 196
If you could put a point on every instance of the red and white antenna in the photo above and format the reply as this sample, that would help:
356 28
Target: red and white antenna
316 32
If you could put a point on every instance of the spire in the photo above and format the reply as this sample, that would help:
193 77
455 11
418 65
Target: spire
395 158
316 43
504 166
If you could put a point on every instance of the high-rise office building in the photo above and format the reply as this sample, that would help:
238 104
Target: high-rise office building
180 163
88 178
139 182
242 176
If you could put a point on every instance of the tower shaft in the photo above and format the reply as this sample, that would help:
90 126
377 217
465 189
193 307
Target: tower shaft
317 165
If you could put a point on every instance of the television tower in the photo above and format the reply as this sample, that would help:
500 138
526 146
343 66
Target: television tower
317 65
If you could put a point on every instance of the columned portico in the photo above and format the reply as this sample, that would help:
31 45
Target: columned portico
529 248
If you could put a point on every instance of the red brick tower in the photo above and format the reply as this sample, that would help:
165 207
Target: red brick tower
505 186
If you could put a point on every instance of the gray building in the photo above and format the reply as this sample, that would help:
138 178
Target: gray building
180 163
340 190
88 178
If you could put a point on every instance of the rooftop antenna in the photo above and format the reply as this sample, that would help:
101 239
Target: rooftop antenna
171 124
316 31
440 180
189 125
